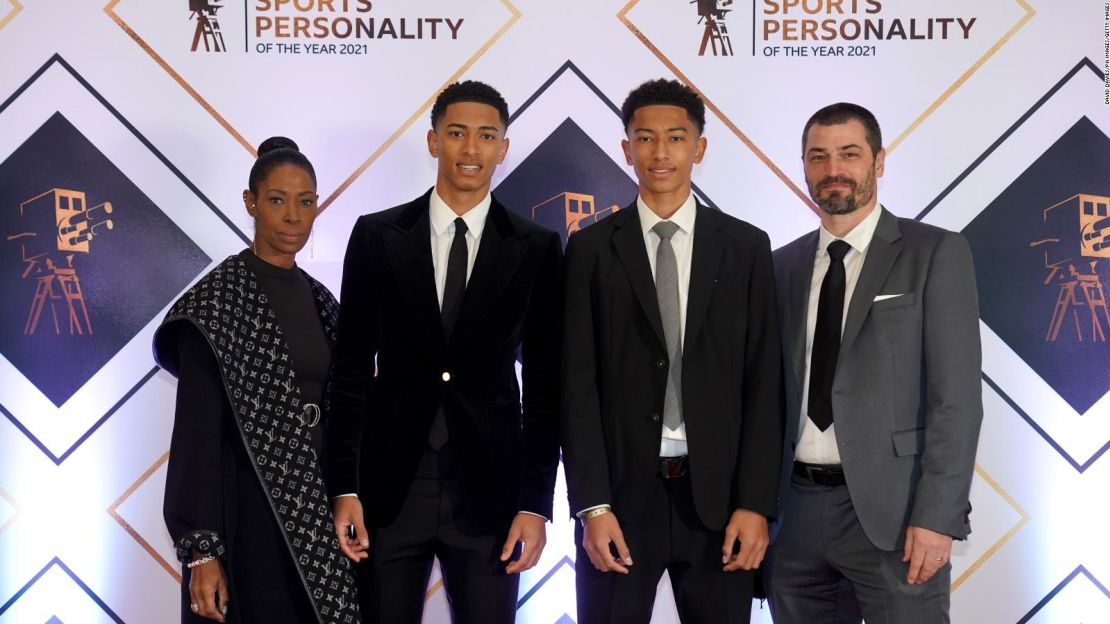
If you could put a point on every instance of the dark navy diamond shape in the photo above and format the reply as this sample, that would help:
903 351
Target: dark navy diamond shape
1042 277
567 183
70 302
77 580
565 561
567 164
1060 587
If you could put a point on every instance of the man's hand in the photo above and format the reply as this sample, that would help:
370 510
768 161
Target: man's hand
530 529
599 532
926 551
347 511
208 589
751 529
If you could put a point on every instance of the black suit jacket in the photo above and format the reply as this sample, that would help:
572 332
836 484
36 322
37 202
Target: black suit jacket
505 456
615 369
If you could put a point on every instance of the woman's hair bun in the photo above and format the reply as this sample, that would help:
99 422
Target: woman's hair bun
276 143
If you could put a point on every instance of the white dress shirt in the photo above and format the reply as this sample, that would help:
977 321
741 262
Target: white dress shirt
816 446
673 443
442 220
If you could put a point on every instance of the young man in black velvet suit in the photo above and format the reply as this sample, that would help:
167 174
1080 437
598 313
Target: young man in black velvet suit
431 451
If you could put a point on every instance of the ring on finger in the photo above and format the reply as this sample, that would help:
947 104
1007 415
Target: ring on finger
194 607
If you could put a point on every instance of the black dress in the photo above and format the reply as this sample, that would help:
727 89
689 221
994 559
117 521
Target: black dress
211 484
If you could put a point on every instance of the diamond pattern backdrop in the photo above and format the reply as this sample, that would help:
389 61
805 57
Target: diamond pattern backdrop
142 117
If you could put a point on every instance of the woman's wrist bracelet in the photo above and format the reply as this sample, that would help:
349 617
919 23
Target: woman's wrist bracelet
201 561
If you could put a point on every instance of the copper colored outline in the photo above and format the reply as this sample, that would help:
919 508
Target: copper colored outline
438 585
1029 13
420 111
1001 541
432 589
369 160
16 8
622 15
177 77
131 530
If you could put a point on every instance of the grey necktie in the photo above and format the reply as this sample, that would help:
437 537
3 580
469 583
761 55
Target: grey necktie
666 291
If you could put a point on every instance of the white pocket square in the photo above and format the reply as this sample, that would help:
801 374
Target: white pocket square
884 297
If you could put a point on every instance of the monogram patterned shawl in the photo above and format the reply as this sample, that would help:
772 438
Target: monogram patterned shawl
231 310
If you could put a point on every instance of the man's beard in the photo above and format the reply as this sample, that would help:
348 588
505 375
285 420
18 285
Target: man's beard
842 204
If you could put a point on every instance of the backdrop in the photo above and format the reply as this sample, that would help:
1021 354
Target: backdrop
127 130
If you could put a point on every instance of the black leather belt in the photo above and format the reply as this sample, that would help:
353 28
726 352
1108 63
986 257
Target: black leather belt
817 474
673 467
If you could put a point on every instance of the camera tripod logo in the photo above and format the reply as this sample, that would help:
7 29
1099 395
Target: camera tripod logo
1081 228
711 14
567 183
59 228
569 212
208 26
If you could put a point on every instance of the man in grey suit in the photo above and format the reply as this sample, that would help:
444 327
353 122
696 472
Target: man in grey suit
881 344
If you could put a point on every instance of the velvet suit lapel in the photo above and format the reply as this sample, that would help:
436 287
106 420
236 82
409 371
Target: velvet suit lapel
409 246
499 254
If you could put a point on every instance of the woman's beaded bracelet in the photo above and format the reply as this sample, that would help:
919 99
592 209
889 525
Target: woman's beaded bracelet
201 561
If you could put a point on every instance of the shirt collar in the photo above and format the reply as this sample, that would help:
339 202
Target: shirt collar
683 217
441 215
859 237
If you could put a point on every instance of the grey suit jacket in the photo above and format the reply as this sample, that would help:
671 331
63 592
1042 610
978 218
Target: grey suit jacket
907 396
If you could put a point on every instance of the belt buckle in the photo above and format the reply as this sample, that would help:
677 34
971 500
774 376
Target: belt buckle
672 467
811 473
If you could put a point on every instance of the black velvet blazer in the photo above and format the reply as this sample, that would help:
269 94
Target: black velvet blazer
506 445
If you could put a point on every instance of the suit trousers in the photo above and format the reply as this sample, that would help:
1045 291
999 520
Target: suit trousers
433 523
822 568
669 538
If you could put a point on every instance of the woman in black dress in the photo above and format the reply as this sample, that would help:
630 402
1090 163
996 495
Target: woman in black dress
251 346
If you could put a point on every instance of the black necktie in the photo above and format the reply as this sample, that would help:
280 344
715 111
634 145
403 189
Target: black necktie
455 284
826 337
453 288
